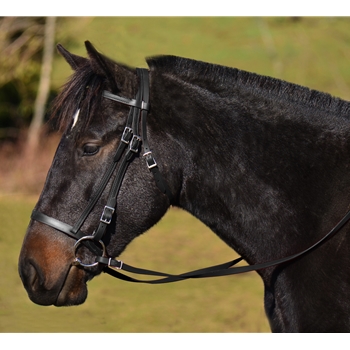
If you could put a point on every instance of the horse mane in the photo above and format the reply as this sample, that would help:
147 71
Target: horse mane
223 78
86 85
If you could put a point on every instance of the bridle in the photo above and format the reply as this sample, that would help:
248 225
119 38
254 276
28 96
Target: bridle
128 148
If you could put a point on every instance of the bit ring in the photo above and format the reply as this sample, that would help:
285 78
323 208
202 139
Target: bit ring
77 261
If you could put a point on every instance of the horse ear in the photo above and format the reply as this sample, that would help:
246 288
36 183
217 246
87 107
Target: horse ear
73 60
102 65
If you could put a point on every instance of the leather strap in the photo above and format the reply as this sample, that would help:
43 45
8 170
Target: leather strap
112 265
215 271
147 153
201 273
65 228
134 103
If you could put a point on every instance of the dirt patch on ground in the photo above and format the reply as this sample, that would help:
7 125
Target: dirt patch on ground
23 173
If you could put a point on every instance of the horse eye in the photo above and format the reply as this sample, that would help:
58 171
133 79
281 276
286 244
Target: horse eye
90 149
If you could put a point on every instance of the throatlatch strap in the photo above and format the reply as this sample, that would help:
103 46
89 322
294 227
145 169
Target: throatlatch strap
147 153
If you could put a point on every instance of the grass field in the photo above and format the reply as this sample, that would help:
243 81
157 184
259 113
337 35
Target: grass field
177 244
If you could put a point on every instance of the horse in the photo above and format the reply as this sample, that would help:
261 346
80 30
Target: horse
262 162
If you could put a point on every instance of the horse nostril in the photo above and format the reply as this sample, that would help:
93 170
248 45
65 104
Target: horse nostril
32 277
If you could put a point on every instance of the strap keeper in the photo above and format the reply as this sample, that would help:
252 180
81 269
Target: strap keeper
144 105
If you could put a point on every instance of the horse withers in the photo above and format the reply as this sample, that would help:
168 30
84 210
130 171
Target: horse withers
262 162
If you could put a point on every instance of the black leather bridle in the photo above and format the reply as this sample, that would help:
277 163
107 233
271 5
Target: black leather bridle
128 147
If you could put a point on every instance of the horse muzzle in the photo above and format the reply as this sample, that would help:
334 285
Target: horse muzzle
49 275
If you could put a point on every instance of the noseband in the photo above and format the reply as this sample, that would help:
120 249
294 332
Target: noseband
128 147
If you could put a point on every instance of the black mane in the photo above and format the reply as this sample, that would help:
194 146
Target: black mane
223 78
86 84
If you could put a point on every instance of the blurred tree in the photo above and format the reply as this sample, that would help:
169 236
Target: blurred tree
44 86
21 47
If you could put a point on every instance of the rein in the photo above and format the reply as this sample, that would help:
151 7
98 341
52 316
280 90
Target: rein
128 147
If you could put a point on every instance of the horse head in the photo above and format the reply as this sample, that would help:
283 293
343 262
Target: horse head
82 176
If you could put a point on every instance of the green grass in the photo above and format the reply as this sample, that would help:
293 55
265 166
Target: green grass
177 244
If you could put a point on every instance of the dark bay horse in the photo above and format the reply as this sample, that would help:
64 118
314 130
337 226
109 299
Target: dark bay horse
262 162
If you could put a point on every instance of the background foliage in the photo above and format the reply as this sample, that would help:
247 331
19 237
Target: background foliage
309 51
21 45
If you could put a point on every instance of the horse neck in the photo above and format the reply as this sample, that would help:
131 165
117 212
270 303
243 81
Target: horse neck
253 165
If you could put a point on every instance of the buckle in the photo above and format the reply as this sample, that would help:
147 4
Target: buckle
150 161
113 263
107 214
127 133
134 144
